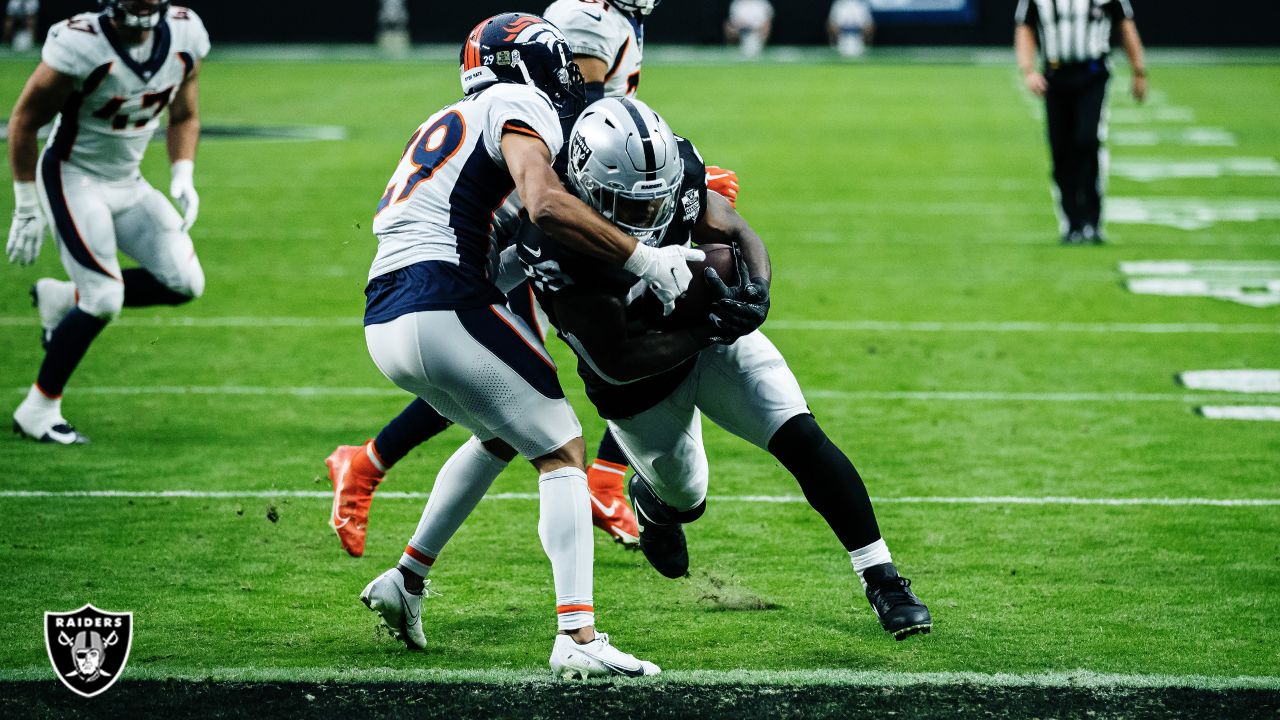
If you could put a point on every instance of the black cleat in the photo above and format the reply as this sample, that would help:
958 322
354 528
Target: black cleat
901 613
663 545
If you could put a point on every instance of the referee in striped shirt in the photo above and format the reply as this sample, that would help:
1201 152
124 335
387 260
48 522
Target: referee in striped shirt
1073 38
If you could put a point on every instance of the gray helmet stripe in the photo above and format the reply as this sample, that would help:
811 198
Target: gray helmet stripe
650 159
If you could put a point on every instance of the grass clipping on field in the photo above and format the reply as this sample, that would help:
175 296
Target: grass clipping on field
724 592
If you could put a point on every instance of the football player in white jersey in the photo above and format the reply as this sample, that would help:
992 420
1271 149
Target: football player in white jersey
107 78
607 39
438 327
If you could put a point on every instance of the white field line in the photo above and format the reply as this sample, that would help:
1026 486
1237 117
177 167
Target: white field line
919 396
1241 381
980 326
755 499
1264 413
1086 679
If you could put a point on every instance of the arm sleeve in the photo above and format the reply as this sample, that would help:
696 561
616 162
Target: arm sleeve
525 110
1026 14
67 50
589 33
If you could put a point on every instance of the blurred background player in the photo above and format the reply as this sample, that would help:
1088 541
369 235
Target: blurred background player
850 27
20 23
107 77
607 39
393 27
438 327
1074 43
749 25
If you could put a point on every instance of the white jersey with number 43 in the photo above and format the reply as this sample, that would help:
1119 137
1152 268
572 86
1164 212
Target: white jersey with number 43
452 178
104 128
596 29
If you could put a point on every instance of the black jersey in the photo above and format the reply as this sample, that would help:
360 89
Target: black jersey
558 273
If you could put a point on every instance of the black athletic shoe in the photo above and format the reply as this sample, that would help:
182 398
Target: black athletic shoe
1075 237
901 613
663 545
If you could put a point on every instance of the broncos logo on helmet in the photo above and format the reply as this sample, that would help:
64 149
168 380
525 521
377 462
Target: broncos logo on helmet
525 49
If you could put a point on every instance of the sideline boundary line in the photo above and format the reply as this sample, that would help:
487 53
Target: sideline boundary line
763 499
859 678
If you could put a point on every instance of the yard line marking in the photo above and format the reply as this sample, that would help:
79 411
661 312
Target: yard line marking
1150 170
1264 413
1148 115
754 499
916 395
1193 137
1241 381
1190 213
836 676
979 326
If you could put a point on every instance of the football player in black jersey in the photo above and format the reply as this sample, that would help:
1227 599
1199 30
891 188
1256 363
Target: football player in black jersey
649 377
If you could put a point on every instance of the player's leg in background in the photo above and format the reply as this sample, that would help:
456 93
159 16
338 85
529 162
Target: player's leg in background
1090 134
81 221
605 476
748 389
669 488
150 231
1059 120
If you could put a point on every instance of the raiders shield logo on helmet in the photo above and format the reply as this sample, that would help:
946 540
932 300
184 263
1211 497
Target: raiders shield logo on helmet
88 647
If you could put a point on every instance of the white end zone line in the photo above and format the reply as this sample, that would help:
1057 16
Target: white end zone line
764 499
1086 679
780 324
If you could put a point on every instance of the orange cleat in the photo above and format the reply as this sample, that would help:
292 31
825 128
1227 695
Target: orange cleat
609 509
355 476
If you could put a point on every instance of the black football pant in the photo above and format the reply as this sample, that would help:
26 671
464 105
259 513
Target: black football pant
1073 109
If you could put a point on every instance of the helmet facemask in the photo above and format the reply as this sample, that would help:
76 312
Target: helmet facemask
635 7
136 14
642 212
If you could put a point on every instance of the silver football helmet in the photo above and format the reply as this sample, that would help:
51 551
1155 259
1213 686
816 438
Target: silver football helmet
624 162
636 7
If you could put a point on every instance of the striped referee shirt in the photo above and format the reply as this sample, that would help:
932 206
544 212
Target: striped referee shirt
1073 31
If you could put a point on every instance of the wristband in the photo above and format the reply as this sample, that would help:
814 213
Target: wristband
25 196
640 260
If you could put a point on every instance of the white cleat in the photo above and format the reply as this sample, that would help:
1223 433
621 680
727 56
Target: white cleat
401 610
40 418
53 299
598 658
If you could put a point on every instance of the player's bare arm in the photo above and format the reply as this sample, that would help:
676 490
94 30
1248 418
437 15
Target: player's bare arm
596 325
181 139
43 96
722 224
1025 48
1132 43
593 69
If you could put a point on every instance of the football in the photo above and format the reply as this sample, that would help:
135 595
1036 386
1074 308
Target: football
692 307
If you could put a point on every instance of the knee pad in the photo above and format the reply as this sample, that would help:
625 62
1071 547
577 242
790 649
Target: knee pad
659 510
102 300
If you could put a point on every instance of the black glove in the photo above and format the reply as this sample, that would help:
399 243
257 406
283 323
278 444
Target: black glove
740 310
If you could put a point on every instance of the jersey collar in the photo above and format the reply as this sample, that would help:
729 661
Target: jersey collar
159 48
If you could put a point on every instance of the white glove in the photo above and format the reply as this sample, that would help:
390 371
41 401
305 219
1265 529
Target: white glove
182 188
666 270
26 234
510 272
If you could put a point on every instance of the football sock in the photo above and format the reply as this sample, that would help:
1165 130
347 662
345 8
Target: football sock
877 553
416 424
142 289
609 468
564 525
462 482
67 346
829 481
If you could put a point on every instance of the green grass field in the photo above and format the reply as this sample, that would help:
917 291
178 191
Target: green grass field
909 219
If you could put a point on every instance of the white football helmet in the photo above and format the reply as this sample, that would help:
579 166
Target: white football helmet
624 162
142 14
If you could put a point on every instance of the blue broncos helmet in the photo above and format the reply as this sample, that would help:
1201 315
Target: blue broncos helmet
527 50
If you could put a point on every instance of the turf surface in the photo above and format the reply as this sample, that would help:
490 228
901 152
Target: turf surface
887 192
